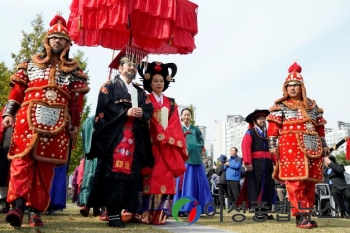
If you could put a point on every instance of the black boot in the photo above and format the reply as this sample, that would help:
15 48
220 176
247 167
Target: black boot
313 223
96 211
297 220
15 216
34 218
114 217
115 221
343 214
303 222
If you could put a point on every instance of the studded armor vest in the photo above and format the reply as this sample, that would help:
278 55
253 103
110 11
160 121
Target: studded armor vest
45 95
299 143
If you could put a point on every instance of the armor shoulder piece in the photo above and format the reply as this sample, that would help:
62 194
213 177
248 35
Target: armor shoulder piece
20 77
275 107
311 103
275 113
80 73
23 65
79 81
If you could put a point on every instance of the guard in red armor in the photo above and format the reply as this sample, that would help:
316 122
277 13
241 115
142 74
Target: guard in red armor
45 102
296 135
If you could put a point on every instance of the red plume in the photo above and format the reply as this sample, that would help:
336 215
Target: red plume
158 68
56 19
294 67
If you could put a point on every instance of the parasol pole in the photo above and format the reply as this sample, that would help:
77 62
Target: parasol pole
110 69
129 26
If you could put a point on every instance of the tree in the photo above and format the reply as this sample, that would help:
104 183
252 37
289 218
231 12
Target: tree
192 122
32 43
5 74
78 152
341 159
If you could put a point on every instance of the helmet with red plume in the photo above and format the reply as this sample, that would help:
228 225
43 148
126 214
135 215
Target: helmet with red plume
294 78
58 28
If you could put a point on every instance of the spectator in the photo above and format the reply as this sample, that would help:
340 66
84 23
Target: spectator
5 138
233 176
281 191
214 182
221 171
207 163
340 190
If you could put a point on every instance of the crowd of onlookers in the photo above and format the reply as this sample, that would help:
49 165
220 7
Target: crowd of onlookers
226 177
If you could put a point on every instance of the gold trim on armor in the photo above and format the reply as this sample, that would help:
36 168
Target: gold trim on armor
44 88
41 129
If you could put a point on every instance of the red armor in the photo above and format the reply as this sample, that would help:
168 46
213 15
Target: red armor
47 97
300 148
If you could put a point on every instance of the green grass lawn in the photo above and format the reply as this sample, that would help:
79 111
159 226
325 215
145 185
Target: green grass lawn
70 220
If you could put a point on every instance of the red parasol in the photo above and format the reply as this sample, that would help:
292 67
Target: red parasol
156 26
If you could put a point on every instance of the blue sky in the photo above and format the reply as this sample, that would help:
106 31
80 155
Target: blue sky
244 49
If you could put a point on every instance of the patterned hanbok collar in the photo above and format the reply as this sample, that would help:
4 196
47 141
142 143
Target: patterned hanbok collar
128 85
187 128
158 98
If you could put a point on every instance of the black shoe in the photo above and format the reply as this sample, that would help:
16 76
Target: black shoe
115 221
304 223
84 211
15 217
96 211
34 219
313 223
343 214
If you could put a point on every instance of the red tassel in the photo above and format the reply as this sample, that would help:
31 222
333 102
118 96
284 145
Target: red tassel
294 67
347 156
56 19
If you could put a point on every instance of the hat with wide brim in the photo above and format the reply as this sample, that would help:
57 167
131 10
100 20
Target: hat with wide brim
258 112
223 158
